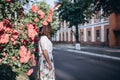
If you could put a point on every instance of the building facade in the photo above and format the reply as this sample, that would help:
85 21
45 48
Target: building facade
100 31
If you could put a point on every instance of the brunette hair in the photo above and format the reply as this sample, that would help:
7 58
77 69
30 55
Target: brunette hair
45 30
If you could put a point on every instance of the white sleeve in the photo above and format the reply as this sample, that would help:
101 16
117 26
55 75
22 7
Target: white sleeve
43 42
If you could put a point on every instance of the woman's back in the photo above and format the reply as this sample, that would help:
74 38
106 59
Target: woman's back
45 43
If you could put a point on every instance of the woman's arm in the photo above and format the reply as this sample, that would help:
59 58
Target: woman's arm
44 46
45 53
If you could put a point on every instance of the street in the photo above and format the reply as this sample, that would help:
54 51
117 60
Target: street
70 65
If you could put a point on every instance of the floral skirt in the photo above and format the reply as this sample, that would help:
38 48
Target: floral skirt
45 73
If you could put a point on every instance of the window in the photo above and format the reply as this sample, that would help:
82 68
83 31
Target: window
89 36
82 36
66 36
107 35
63 36
60 37
71 36
97 35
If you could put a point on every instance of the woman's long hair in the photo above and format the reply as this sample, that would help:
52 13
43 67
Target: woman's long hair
45 31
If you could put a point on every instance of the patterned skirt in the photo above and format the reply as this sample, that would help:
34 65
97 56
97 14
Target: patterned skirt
45 73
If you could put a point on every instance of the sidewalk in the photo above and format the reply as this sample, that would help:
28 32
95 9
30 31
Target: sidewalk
96 50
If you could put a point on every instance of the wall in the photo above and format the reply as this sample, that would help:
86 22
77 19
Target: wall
114 30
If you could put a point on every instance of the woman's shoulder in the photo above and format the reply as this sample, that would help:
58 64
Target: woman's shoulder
43 37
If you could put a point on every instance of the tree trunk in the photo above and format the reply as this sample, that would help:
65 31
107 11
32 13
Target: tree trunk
77 34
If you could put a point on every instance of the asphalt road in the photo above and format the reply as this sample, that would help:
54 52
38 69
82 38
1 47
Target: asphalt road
76 66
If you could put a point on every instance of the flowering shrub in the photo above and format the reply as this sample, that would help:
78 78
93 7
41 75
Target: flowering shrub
16 45
18 40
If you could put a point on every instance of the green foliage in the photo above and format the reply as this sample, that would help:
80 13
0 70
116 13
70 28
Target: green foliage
108 6
44 7
12 10
82 9
73 12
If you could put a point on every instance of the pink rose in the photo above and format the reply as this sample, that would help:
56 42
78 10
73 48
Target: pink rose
45 23
41 14
4 38
34 8
33 60
1 26
36 19
14 58
0 60
8 0
4 54
30 71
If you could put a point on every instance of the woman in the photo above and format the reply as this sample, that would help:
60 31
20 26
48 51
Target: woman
45 53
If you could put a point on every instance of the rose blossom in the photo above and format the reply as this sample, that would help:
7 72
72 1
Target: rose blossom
21 26
44 23
50 11
41 14
0 60
35 50
50 15
14 58
30 71
24 59
49 19
1 26
24 54
4 54
33 60
32 32
8 0
22 51
25 42
36 19
34 8
4 38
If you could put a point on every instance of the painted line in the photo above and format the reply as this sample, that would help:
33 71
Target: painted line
94 54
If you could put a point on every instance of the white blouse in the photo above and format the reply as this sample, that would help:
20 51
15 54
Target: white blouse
45 44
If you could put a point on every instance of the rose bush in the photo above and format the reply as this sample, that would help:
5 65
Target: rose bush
18 42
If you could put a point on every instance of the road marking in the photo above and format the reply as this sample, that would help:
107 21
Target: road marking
113 51
94 54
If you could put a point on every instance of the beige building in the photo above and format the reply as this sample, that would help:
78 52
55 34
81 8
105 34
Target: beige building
99 31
